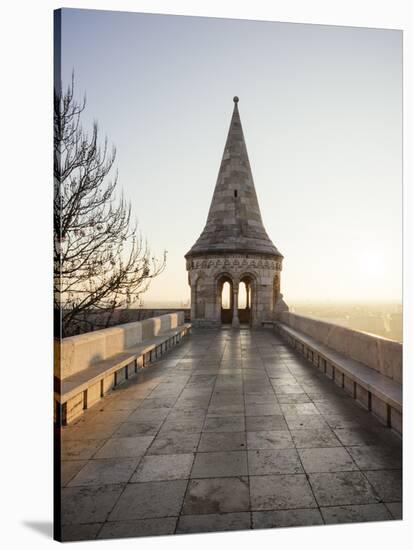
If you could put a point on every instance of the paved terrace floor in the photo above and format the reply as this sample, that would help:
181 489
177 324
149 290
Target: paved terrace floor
230 430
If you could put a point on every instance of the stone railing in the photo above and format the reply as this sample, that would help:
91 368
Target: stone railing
77 353
98 320
378 353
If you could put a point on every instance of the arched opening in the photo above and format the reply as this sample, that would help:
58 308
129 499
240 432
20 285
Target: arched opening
226 295
245 300
242 295
226 299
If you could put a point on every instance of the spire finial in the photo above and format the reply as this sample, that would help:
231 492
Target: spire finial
236 99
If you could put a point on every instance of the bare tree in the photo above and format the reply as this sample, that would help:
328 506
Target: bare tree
101 262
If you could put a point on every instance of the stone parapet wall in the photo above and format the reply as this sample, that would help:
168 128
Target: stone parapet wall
93 320
378 353
77 353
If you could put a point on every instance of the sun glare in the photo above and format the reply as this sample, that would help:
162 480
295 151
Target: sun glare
371 264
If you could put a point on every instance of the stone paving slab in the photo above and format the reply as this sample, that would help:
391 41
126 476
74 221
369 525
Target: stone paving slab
336 488
224 424
220 464
395 509
105 472
69 468
355 513
179 442
319 438
136 429
156 499
217 495
228 441
274 461
305 422
138 528
270 422
387 484
79 532
281 492
376 457
124 447
270 439
163 468
286 518
330 459
230 430
205 523
88 504
293 398
80 450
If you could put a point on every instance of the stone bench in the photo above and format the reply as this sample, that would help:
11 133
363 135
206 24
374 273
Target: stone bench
375 391
78 391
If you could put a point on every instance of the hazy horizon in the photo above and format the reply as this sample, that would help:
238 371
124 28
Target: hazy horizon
159 304
322 116
380 318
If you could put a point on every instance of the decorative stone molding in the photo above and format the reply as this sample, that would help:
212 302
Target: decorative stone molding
235 261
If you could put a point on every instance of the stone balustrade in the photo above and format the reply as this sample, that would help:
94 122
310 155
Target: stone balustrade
366 366
89 366
76 353
378 353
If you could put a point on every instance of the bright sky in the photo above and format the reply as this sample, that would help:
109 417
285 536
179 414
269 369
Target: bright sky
321 109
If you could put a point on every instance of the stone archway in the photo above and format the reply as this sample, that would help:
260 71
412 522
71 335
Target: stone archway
225 299
245 299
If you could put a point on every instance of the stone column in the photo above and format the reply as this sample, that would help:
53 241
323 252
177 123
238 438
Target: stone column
235 318
193 301
218 302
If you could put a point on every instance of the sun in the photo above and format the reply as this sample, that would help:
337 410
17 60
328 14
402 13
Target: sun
370 263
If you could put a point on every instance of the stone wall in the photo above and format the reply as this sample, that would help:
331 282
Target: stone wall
378 353
77 353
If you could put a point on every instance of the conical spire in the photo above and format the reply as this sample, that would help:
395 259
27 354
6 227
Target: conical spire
234 221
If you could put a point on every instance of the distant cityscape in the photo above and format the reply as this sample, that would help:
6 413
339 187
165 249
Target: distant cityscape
384 319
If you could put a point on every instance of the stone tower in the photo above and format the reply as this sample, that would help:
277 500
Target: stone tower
234 248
